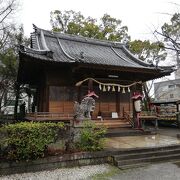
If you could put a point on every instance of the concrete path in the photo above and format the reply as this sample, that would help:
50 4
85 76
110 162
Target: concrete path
140 141
165 136
163 171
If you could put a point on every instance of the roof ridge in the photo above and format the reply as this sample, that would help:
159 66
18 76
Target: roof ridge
69 56
120 55
135 58
79 38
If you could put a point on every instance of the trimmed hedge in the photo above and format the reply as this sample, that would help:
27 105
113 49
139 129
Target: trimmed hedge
91 137
27 140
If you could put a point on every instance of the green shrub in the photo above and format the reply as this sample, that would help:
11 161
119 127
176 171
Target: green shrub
28 140
91 137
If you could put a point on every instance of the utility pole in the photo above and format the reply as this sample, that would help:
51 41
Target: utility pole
177 73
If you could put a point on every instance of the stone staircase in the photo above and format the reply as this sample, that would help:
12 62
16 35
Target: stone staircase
114 123
119 132
132 158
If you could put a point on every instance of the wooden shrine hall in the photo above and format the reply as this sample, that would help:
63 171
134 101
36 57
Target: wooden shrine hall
56 62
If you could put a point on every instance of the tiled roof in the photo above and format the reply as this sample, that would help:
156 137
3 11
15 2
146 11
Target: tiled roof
65 48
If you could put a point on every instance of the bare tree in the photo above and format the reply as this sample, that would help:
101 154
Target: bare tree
171 35
7 10
8 41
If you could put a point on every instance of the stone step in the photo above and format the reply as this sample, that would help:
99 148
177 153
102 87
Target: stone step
161 158
125 122
136 157
147 149
146 154
126 132
109 121
114 125
130 166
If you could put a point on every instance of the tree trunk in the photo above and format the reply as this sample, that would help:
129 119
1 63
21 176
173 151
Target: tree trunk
17 88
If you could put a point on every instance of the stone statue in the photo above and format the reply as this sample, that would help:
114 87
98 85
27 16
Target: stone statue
83 111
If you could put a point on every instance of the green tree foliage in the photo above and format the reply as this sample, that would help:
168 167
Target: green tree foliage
112 29
153 52
71 22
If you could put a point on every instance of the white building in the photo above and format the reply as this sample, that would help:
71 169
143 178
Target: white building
168 90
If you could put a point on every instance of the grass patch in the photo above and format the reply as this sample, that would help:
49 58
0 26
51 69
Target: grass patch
106 175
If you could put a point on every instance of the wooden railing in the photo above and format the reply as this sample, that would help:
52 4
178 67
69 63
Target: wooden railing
153 115
40 116
148 113
129 117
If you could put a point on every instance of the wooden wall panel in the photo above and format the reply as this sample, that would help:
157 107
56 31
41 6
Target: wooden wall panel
68 107
62 100
104 107
96 111
55 106
112 107
64 107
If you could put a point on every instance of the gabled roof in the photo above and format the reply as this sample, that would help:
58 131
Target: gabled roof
65 48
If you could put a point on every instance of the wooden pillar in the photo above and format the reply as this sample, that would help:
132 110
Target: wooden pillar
134 116
79 94
43 100
177 107
117 103
90 85
133 108
40 102
130 102
46 108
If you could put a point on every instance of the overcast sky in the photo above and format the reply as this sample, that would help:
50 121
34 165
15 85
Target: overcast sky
141 16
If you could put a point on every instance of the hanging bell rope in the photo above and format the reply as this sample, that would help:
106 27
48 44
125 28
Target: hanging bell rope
100 87
108 84
109 87
113 88
104 88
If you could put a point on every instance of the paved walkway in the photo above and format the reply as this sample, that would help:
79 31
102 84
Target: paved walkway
160 171
165 136
140 141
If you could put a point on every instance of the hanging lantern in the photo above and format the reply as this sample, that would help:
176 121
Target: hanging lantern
123 91
119 89
113 88
104 88
109 87
100 87
129 89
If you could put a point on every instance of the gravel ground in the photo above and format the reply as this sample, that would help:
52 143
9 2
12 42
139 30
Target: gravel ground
76 173
161 171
